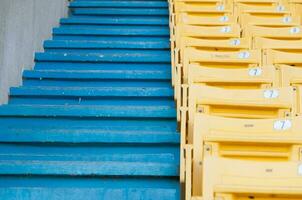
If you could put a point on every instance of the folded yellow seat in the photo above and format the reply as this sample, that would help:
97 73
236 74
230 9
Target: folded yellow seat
259 141
232 179
293 45
290 76
257 1
241 103
206 19
242 78
261 8
199 6
247 19
292 32
282 57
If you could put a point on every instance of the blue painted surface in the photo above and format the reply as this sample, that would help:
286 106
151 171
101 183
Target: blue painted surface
96 117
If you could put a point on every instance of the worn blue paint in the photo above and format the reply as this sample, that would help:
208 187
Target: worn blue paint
121 11
106 44
113 30
115 20
96 117
113 4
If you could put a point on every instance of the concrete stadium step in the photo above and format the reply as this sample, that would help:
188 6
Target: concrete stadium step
103 30
83 188
45 65
88 111
92 159
97 74
118 4
106 44
92 92
115 20
114 134
121 11
143 57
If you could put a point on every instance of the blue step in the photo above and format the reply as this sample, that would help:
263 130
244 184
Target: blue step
119 4
98 74
122 11
153 57
93 92
106 44
83 188
104 30
45 65
116 20
92 159
113 134
120 111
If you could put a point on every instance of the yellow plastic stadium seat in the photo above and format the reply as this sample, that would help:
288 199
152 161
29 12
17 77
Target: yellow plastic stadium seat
240 103
206 20
202 7
271 21
277 44
294 32
282 57
258 140
261 9
290 76
230 31
233 59
257 1
232 179
245 78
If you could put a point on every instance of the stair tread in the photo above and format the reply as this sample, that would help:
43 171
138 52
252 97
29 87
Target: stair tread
122 20
111 4
160 56
116 43
99 74
113 30
91 135
93 92
121 11
88 111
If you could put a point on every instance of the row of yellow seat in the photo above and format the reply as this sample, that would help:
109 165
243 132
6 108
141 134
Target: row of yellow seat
237 74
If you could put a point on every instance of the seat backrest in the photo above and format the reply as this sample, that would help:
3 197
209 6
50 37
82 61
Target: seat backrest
232 178
293 32
246 78
277 44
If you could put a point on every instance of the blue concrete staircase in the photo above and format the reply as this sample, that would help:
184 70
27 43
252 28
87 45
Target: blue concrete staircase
96 118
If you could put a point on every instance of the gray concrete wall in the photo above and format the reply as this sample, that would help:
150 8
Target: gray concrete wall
24 24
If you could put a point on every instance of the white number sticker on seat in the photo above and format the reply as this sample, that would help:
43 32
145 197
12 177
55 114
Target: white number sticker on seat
224 19
282 125
300 169
235 42
244 55
271 94
256 71
225 29
220 8
287 19
280 8
295 30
